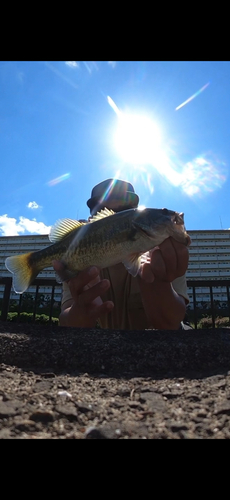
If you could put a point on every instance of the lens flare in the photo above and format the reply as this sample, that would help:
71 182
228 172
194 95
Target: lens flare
63 177
192 97
108 191
113 105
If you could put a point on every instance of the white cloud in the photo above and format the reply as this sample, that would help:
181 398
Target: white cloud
90 66
112 63
33 204
21 77
72 64
59 74
9 226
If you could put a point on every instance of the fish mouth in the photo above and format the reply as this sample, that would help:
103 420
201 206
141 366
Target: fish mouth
178 219
172 219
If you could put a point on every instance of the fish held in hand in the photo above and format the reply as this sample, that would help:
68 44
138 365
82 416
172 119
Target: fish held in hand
107 239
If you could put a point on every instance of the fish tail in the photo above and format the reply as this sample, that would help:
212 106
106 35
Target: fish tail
23 270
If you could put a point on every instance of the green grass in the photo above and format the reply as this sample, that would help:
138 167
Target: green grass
25 317
220 322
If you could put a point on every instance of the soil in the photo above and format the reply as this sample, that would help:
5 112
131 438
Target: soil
66 383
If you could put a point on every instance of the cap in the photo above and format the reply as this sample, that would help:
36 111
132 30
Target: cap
113 190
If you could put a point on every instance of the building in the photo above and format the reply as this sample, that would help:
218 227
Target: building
209 260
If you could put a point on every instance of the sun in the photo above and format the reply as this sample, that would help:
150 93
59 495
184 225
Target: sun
137 139
143 150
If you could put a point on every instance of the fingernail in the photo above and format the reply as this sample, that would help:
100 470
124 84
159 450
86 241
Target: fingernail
105 284
151 279
92 271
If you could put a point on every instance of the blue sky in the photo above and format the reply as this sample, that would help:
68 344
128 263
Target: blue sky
67 125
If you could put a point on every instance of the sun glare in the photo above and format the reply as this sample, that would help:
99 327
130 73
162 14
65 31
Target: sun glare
137 139
139 143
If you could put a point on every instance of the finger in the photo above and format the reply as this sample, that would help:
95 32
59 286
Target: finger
182 253
158 265
147 273
175 256
83 278
57 265
88 295
63 273
169 256
102 310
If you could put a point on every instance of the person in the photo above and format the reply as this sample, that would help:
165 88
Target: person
111 297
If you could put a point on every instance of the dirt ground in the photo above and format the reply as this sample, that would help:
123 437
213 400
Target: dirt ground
61 383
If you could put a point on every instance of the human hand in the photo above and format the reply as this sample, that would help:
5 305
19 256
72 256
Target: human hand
166 262
86 289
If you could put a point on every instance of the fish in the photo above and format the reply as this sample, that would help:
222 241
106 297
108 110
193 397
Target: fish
106 239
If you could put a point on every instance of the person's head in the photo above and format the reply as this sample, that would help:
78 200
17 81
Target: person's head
113 194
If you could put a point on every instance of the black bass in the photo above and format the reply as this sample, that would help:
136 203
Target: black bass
107 239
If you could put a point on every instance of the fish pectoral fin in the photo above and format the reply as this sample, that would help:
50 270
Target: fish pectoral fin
102 214
64 275
59 280
63 227
132 264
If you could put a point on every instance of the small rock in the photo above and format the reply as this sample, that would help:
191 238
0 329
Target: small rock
223 409
94 433
25 425
8 408
65 394
193 397
83 408
154 400
171 394
176 427
42 416
68 411
5 434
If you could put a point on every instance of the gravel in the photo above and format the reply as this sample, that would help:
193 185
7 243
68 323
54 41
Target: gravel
66 383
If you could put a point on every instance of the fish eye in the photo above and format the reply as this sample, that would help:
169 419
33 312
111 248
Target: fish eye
178 219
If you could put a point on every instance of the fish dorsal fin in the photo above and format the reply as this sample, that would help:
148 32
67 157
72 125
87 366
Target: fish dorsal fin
102 214
132 263
63 227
